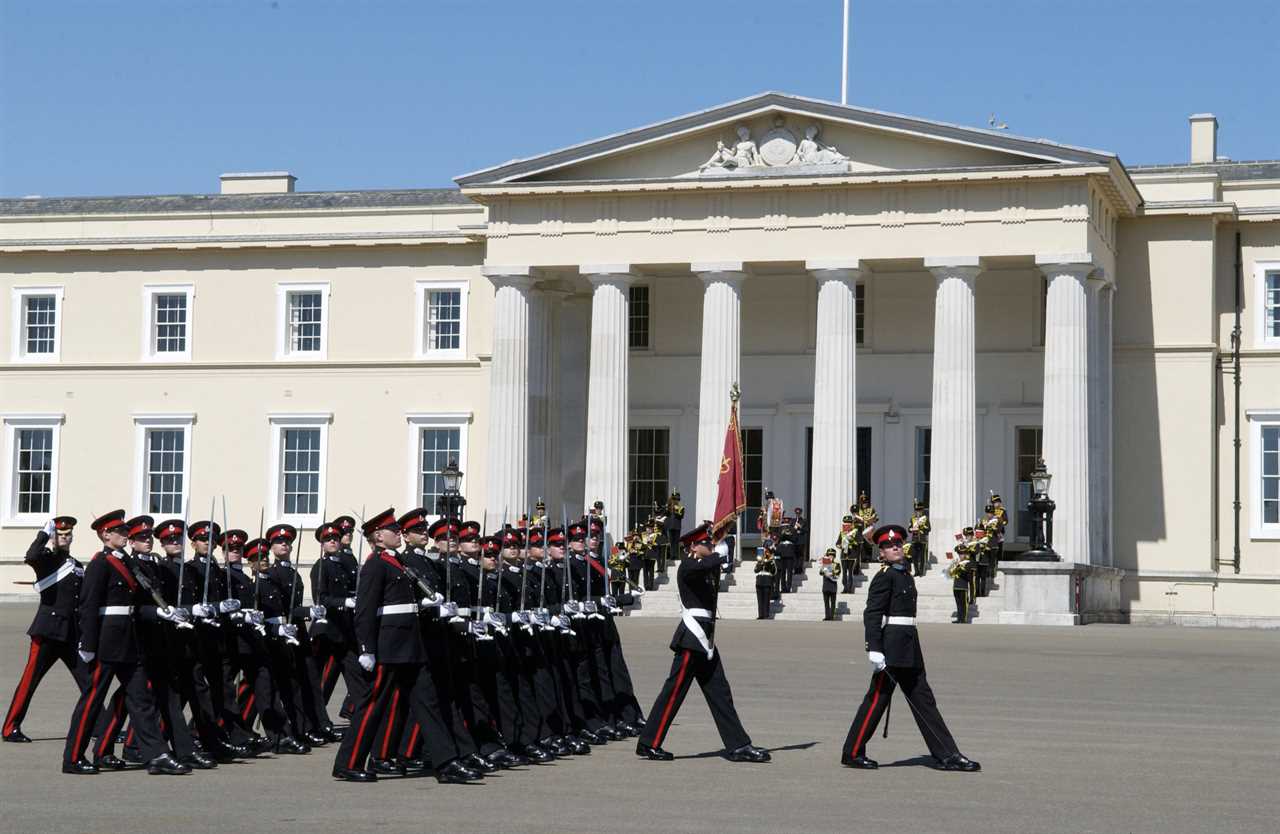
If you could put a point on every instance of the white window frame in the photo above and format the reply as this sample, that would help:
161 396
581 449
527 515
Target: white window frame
1019 420
9 517
149 293
1258 419
1260 270
460 420
648 349
278 423
17 347
142 423
421 288
283 350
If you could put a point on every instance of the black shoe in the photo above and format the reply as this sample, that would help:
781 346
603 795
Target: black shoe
505 759
749 753
385 767
109 762
860 762
288 745
199 761
234 751
476 762
414 765
628 729
80 767
656 754
349 775
592 738
17 736
315 739
132 756
537 754
166 765
258 744
555 747
959 762
332 733
612 733
455 773
577 745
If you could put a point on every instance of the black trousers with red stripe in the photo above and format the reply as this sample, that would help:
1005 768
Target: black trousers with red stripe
42 657
138 699
915 687
397 690
686 667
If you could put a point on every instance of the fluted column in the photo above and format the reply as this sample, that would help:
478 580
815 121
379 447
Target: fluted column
835 399
953 473
720 368
508 450
1093 303
539 411
1067 346
607 393
1106 457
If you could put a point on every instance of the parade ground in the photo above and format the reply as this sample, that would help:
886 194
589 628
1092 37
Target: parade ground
1096 729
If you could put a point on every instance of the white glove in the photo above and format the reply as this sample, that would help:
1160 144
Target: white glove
366 662
317 612
349 603
437 598
229 605
201 609
49 528
876 659
254 616
87 657
425 603
289 631
173 615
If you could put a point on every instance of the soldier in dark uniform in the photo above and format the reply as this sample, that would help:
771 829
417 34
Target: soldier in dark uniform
893 648
623 707
962 572
696 658
787 554
391 649
333 640
830 571
766 575
558 641
673 525
801 525
111 597
53 631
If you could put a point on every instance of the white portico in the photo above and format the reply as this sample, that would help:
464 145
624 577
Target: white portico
881 273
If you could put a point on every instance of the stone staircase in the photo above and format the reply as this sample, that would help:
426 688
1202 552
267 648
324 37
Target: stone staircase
934 604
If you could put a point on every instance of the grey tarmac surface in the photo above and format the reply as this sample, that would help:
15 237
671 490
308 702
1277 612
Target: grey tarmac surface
1097 729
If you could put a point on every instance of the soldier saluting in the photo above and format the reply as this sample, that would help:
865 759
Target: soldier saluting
893 647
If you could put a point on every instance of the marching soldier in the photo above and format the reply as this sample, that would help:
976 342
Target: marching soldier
849 545
110 596
54 629
919 529
830 571
893 648
865 519
961 572
334 639
696 658
766 576
391 649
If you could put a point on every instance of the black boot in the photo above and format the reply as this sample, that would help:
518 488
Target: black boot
656 754
860 762
199 761
749 753
457 774
80 767
959 762
349 775
109 762
166 765
17 736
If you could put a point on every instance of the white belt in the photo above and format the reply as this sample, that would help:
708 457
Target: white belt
900 621
275 620
115 610
399 608
695 628
64 570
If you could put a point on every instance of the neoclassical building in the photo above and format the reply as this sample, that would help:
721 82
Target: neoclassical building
911 308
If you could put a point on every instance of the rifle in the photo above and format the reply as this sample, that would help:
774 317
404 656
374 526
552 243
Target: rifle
262 513
524 566
208 564
182 554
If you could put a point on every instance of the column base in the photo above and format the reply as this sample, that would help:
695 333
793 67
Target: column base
1045 555
1061 594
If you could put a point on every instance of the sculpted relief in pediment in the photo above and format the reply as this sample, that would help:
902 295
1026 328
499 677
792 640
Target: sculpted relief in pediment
777 151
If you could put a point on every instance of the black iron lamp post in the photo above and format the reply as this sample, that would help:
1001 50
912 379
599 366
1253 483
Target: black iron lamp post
1041 508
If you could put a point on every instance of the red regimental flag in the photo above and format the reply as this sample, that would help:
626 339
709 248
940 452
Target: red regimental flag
731 491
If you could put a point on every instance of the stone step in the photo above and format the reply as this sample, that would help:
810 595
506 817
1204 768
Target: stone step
984 611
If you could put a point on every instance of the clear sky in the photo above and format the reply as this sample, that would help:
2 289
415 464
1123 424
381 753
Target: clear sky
142 97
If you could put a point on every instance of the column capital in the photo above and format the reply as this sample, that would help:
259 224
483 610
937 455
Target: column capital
1079 265
964 267
611 274
519 276
727 271
835 269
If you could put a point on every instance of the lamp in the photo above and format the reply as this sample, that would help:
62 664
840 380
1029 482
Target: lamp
1041 508
451 475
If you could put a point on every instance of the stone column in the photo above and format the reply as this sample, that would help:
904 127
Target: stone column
1067 346
720 369
607 393
508 449
1093 300
835 399
953 473
539 391
1106 450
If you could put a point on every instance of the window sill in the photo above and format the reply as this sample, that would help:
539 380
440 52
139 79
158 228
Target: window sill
24 522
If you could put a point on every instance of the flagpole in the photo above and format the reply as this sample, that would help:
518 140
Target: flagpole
844 59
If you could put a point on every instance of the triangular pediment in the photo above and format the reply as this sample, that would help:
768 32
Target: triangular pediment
779 135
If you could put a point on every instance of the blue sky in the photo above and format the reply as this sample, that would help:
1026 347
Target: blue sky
140 97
